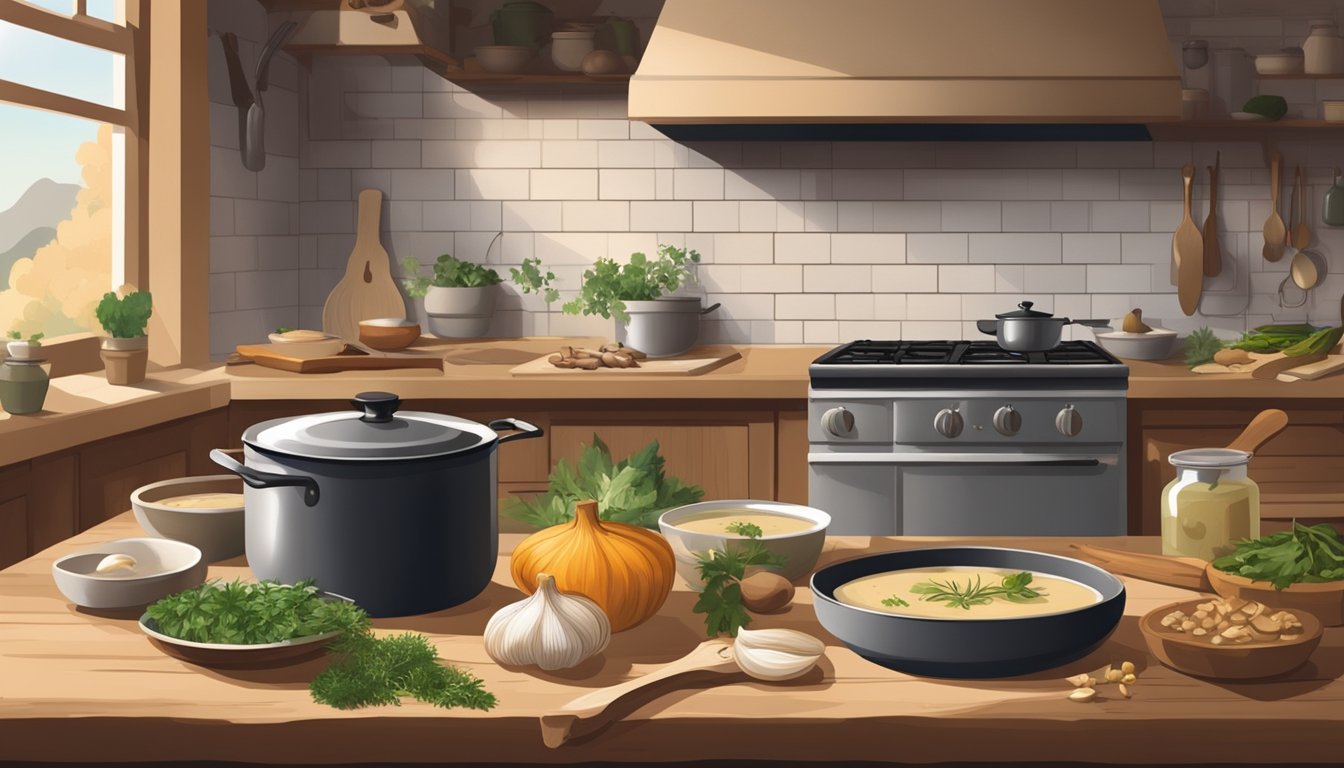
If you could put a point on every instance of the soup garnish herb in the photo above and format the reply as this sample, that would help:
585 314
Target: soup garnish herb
1013 588
750 530
721 599
895 602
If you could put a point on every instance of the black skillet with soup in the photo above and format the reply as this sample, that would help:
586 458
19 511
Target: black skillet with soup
968 612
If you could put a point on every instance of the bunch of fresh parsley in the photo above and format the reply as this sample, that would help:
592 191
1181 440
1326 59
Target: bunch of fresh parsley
634 491
1307 553
721 598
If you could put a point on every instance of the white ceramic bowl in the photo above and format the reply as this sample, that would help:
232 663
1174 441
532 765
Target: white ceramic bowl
504 59
307 344
216 531
800 550
1157 344
1332 111
163 566
1278 63
569 48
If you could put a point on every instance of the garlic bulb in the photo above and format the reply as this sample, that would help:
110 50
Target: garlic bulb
115 562
776 654
550 629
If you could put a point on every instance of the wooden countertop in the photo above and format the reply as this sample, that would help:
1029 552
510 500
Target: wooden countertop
78 687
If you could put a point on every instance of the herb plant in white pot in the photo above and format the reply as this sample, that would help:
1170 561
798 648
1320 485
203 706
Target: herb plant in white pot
125 350
21 349
638 296
459 298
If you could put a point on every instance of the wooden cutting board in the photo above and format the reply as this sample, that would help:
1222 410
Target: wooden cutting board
352 359
1263 365
693 363
1330 365
367 290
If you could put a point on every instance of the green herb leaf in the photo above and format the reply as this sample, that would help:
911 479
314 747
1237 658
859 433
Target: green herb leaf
750 530
1200 347
608 285
125 318
1013 588
373 671
530 279
721 598
895 602
1305 554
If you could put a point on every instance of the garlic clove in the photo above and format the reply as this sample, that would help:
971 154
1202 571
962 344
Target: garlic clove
115 563
776 654
550 629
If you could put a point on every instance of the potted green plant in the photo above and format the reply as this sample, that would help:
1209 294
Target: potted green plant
637 295
19 349
459 298
125 351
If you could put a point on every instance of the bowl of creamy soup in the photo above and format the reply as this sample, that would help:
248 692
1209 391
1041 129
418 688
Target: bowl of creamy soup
968 612
205 511
792 532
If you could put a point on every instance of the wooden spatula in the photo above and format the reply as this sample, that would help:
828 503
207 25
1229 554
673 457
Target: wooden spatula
367 290
1187 249
588 713
1276 232
1299 236
1213 255
1265 425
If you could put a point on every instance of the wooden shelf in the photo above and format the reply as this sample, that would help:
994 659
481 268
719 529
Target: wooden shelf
526 80
425 53
1300 76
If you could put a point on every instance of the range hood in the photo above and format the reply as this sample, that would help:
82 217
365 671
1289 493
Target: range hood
1028 68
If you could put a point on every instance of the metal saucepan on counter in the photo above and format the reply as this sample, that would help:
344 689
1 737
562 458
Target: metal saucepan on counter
1030 330
396 511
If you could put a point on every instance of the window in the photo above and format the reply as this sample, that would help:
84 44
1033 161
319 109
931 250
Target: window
69 208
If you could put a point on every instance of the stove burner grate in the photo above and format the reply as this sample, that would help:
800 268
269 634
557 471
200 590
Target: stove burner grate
866 352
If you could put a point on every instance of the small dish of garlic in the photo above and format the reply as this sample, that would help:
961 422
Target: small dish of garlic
116 565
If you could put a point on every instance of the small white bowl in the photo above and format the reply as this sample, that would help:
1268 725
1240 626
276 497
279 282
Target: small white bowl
1156 344
1249 117
216 531
162 567
1332 111
800 550
504 59
1279 63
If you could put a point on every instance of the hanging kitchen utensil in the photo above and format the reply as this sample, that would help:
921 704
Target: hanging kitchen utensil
1213 255
1276 232
1332 204
367 290
238 87
254 138
1307 268
1187 250
1299 234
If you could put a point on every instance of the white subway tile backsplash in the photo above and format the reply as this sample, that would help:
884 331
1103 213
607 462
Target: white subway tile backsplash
716 216
396 154
972 216
933 306
836 278
660 216
1120 216
948 248
1020 216
966 278
454 215
335 154
1090 184
804 306
905 278
568 154
1015 248
802 247
484 153
905 216
790 215
749 248
758 216
856 306
770 278
603 129
861 248
982 184
1119 278
867 184
1070 216
821 332
417 184
824 216
626 184
563 184
499 183
1117 154
592 216
1150 184
697 183
1055 278
1091 248
762 184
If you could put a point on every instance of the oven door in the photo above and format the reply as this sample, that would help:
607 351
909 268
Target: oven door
970 494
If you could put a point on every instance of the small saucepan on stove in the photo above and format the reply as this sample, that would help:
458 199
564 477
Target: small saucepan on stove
1030 330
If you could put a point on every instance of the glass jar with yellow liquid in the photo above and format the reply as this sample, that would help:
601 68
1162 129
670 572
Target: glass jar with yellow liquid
1211 505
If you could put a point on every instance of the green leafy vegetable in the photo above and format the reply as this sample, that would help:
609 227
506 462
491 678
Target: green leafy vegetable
449 272
1014 588
721 599
608 285
1308 553
531 279
750 530
284 329
1267 105
895 602
1317 343
633 491
1200 347
1272 338
33 341
127 317
373 671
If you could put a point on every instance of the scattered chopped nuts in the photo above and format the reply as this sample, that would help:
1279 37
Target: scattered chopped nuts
1083 694
609 356
1124 690
1234 621
1129 678
1113 675
1127 667
1081 681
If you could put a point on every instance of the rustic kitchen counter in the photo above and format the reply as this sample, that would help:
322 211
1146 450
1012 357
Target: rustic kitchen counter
79 687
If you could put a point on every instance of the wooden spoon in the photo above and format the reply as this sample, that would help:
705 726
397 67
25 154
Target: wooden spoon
1187 250
1213 255
1265 425
1300 236
594 711
1275 230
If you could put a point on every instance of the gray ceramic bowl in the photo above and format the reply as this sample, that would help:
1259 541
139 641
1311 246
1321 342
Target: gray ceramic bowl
799 550
1157 344
217 532
162 567
969 648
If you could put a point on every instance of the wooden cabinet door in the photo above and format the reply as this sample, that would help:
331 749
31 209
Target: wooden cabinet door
712 456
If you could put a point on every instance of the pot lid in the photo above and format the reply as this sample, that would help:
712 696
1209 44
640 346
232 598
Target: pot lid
1210 458
1024 310
375 432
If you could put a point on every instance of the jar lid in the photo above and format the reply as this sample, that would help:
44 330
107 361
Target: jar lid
1210 458
374 432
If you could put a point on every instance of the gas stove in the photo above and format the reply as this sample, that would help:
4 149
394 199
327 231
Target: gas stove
965 438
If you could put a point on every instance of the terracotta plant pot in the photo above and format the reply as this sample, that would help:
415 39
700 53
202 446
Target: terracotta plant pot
125 359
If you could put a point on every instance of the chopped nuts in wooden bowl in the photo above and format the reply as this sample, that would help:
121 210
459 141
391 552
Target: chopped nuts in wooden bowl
1230 638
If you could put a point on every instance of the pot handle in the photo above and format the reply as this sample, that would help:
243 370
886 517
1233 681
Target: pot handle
990 327
710 308
259 479
1092 323
524 429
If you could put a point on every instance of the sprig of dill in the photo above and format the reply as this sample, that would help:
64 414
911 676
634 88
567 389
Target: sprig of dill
1013 588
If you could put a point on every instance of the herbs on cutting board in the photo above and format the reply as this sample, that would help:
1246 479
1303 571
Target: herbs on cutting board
1307 554
1200 347
722 572
1272 338
633 491
368 670
1318 343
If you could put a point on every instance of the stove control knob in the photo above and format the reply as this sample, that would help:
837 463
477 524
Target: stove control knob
838 422
1007 421
949 422
1069 421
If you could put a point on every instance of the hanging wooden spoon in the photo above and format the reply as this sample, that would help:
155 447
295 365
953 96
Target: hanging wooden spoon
1213 255
1187 249
1276 232
1265 425
1300 235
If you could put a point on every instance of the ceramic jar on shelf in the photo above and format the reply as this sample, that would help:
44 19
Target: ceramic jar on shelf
23 384
1323 50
